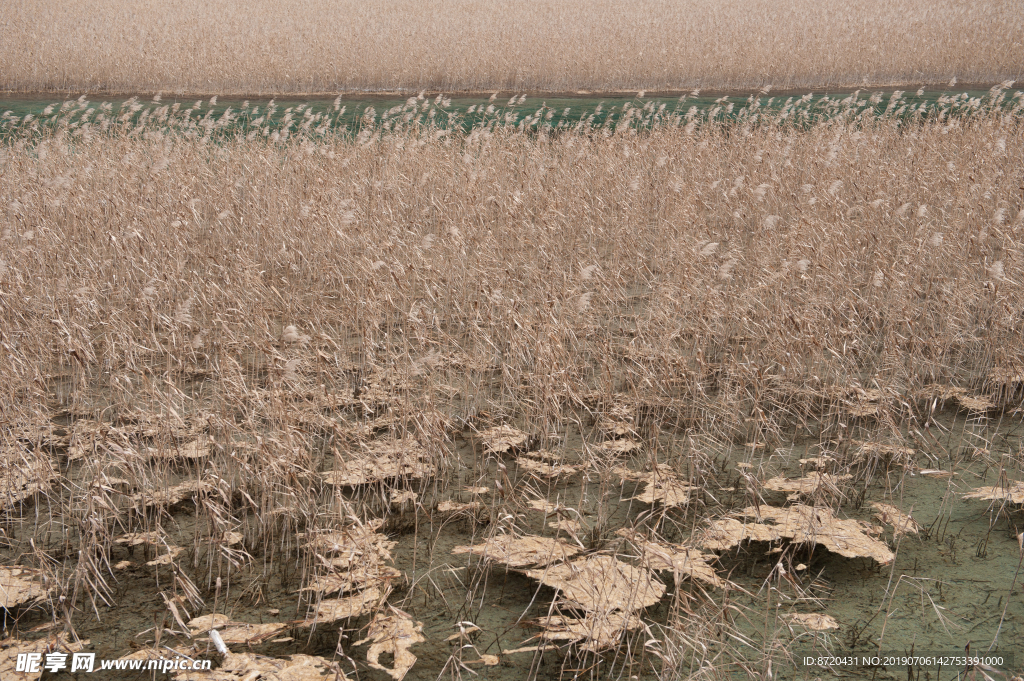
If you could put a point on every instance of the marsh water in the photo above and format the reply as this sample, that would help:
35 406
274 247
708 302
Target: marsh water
953 586
352 112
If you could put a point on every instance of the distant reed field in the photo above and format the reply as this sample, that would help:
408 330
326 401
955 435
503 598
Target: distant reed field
259 47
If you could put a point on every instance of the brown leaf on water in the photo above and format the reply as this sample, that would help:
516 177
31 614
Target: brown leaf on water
685 561
393 634
452 506
800 524
597 630
250 667
244 633
167 558
334 609
189 451
173 495
544 469
12 647
380 461
617 447
359 577
901 522
136 538
1006 376
23 475
936 391
353 546
19 586
201 625
520 552
1012 492
602 584
815 621
976 402
663 486
402 496
807 485
504 438
237 633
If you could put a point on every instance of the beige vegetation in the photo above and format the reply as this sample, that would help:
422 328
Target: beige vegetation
253 365
224 46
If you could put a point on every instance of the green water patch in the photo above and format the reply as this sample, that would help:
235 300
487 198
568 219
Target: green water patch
279 119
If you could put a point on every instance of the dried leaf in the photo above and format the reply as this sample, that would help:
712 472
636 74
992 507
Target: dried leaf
602 584
800 524
334 609
504 438
19 586
520 552
393 634
23 474
976 402
617 447
1012 492
250 667
815 621
359 577
544 469
597 630
901 522
402 458
168 558
808 485
664 487
12 647
175 494
452 506
685 561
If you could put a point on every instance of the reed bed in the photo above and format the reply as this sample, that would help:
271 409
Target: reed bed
336 393
225 47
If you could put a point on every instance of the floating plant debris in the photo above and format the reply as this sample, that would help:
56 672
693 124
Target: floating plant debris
901 522
602 584
815 621
597 630
19 586
379 461
393 634
544 469
686 561
23 475
1012 492
800 524
502 439
521 552
809 485
334 609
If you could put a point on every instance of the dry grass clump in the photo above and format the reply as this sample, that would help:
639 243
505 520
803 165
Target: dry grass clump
458 45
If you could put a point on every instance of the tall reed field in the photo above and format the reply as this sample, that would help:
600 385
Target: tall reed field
697 398
222 46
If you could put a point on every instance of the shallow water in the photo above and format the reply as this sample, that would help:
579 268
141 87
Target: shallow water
950 586
559 110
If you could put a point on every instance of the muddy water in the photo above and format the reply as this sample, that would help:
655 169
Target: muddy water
469 110
952 585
